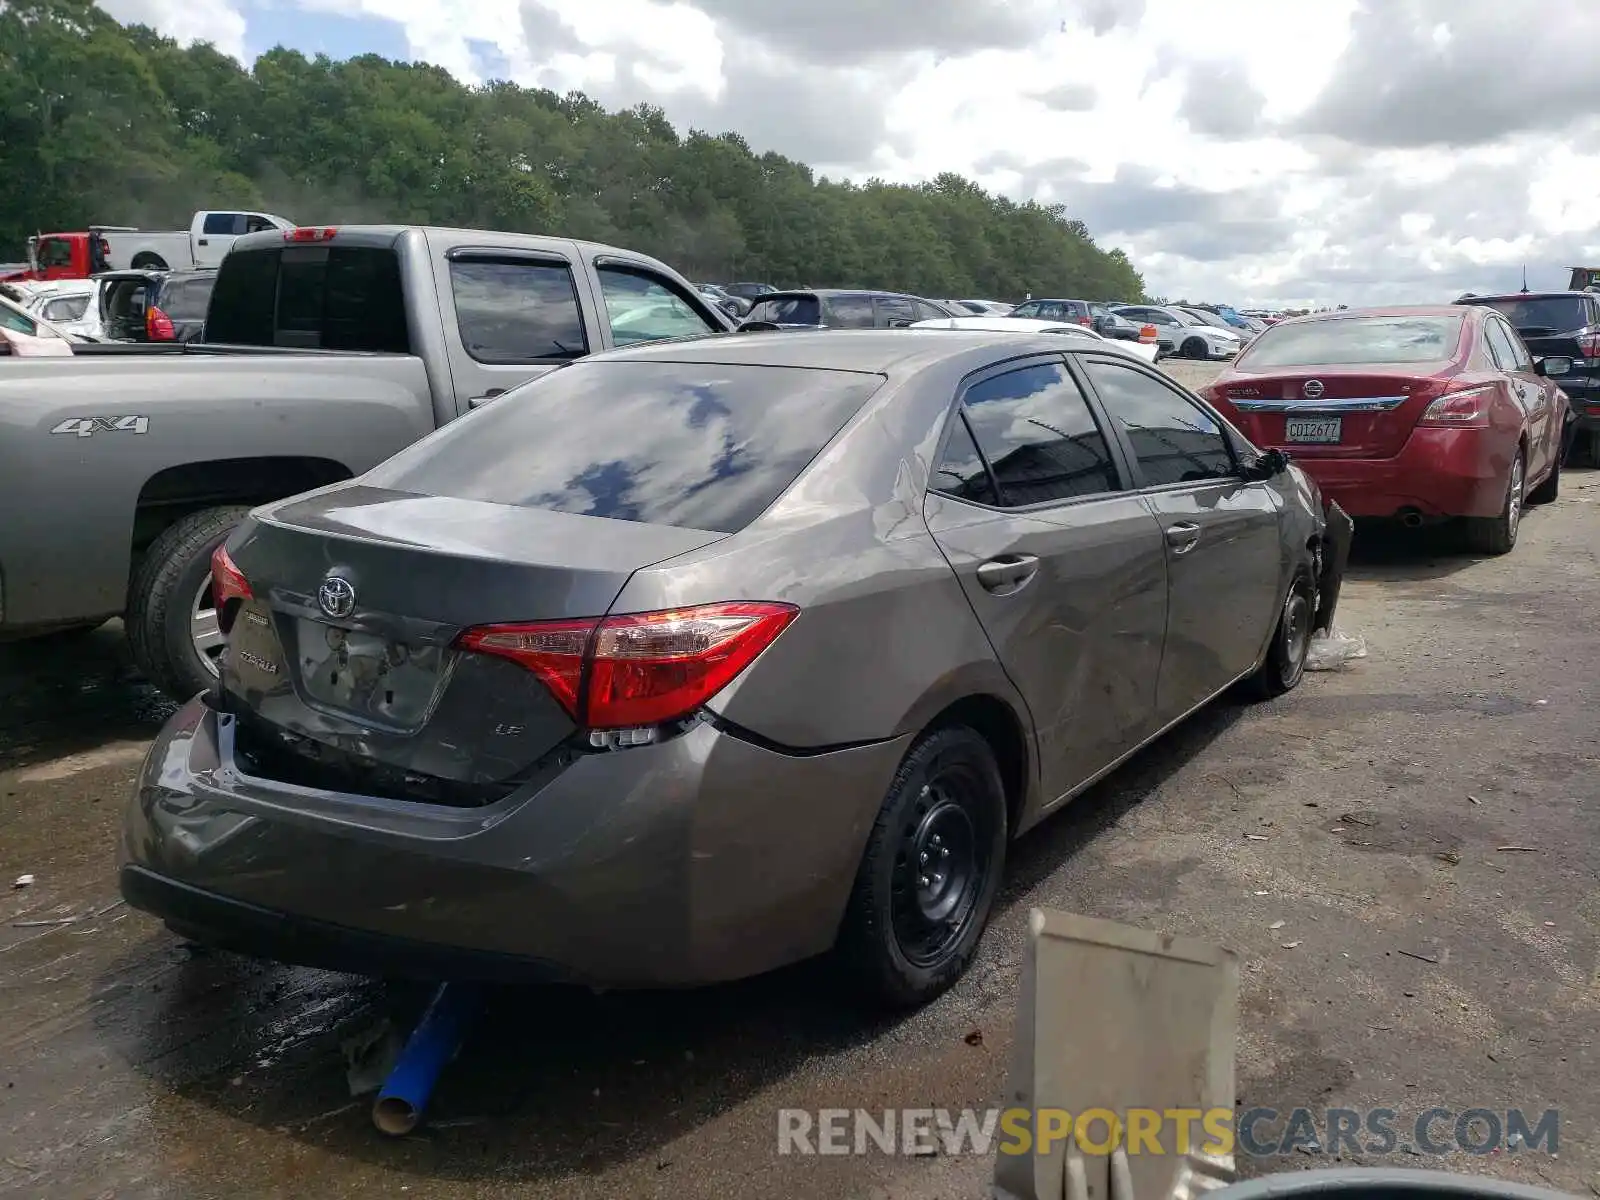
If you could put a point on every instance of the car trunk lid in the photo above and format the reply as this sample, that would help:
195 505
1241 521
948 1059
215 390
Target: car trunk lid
1330 412
343 668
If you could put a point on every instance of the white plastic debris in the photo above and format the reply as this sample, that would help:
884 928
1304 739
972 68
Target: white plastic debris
1333 650
23 881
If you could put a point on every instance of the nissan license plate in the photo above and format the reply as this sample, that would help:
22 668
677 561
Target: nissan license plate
1312 429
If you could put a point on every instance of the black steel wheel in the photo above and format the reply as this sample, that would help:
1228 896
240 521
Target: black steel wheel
930 872
1291 643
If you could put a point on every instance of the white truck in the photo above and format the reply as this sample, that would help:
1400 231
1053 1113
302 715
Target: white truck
210 236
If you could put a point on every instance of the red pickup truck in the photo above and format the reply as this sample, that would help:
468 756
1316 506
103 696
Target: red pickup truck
79 255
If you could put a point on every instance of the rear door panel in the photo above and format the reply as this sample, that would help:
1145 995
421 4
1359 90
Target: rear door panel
1082 639
1221 536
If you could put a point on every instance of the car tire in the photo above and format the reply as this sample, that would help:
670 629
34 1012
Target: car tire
1550 489
1285 666
1497 535
910 931
1194 348
163 596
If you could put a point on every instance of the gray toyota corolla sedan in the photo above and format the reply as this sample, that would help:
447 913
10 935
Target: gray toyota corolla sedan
695 659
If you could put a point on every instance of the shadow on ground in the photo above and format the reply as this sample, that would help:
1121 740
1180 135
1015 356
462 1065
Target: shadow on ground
69 692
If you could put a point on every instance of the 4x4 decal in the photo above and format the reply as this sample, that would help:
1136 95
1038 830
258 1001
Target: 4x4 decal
86 426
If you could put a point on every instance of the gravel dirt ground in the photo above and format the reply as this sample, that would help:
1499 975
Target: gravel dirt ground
1348 841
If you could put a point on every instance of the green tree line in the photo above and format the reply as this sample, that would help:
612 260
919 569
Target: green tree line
113 124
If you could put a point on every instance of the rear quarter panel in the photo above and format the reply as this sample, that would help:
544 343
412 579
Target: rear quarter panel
69 498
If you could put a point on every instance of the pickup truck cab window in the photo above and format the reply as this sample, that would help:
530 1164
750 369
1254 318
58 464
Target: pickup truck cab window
517 310
311 297
642 307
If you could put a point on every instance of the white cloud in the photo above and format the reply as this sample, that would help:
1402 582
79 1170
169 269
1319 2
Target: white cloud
1258 151
187 21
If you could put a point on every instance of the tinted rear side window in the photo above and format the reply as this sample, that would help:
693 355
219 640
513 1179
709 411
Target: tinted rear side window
1351 341
787 310
696 445
1546 314
316 297
516 311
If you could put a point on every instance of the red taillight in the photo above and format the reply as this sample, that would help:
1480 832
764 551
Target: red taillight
158 326
310 234
638 668
227 581
1589 344
552 650
1086 322
1465 409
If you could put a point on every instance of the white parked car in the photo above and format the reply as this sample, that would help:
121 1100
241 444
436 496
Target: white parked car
16 319
983 308
1188 336
71 305
1145 351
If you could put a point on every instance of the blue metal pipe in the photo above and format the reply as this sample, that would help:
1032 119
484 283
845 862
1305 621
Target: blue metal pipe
432 1044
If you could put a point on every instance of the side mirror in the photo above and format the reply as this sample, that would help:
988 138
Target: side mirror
1269 464
1551 366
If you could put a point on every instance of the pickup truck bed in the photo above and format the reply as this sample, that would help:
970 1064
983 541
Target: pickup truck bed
123 467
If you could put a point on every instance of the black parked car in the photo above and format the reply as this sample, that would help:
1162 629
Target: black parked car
155 306
748 291
844 308
1088 313
1563 329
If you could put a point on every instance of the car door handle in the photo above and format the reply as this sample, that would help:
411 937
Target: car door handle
203 242
1007 573
476 401
1183 536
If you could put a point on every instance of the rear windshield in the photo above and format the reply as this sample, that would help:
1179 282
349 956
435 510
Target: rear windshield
787 310
696 445
123 299
314 297
1351 341
1552 314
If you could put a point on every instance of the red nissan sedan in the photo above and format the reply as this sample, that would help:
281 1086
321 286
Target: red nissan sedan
1416 413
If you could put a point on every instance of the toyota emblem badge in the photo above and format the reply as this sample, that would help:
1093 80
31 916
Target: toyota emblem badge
336 596
1313 389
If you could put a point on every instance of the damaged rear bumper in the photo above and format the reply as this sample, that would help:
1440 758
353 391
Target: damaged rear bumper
701 859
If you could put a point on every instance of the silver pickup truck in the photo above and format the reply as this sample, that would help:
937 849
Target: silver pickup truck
325 351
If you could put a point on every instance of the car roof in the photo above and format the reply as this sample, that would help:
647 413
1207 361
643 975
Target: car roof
870 351
1385 310
1005 325
823 292
1561 295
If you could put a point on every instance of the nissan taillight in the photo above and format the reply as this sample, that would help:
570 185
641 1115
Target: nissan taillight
158 326
637 669
1589 343
1467 408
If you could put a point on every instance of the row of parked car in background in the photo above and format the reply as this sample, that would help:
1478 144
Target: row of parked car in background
1198 331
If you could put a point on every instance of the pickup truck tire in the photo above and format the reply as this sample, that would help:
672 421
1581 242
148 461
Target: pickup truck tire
162 598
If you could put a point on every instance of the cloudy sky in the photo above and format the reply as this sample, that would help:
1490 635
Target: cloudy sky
1253 151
